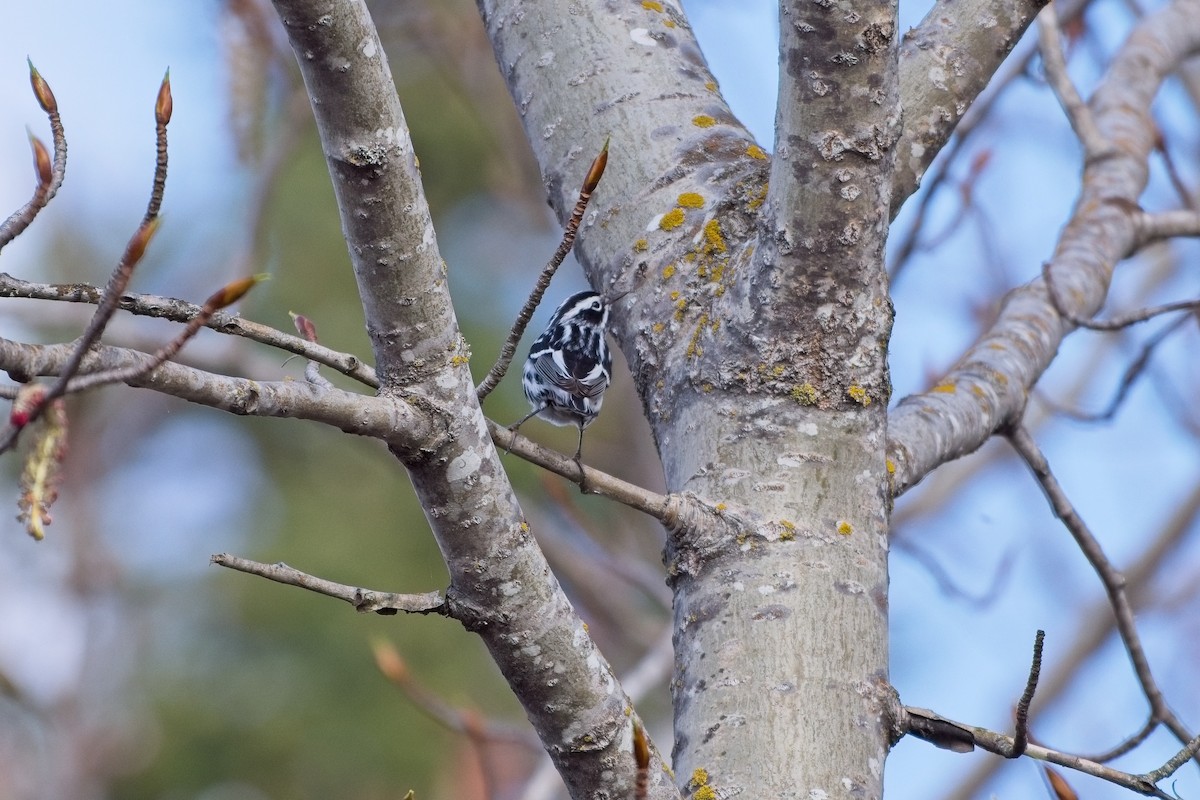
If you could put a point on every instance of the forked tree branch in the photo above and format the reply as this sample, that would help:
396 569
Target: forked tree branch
988 386
393 420
1097 629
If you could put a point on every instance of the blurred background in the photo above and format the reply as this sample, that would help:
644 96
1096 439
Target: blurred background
130 668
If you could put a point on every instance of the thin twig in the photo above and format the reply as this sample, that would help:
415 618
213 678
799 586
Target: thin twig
1112 580
222 298
496 373
1134 371
1095 145
50 175
395 668
363 600
169 308
1129 744
121 275
1176 761
1021 733
665 508
1001 744
1116 323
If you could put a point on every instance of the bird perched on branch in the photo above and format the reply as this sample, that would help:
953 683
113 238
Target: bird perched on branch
569 365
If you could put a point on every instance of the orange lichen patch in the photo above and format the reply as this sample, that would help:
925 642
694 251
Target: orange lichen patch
671 220
668 271
859 395
754 151
789 530
710 85
845 528
891 467
944 388
703 121
668 23
658 327
652 5
690 200
714 242
641 246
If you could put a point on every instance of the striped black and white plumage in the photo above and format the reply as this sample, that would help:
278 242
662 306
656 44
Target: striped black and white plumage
569 366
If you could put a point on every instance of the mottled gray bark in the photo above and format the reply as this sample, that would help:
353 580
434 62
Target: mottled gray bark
756 328
501 586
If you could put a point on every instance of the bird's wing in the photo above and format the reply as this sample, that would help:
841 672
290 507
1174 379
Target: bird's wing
572 372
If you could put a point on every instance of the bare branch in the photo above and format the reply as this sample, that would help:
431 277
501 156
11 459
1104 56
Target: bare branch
1021 733
665 508
1112 580
169 308
1002 745
945 62
1117 323
363 600
419 353
226 296
1095 144
391 420
988 387
1153 227
1099 626
1134 371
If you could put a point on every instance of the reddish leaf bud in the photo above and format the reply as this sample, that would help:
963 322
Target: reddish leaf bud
389 661
596 171
304 326
41 90
140 241
164 105
1058 784
231 292
41 160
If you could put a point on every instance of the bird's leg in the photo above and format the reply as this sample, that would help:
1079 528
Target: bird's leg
583 488
513 428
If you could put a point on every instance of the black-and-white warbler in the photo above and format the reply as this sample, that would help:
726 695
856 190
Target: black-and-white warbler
569 366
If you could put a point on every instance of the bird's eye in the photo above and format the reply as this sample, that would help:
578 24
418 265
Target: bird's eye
595 305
